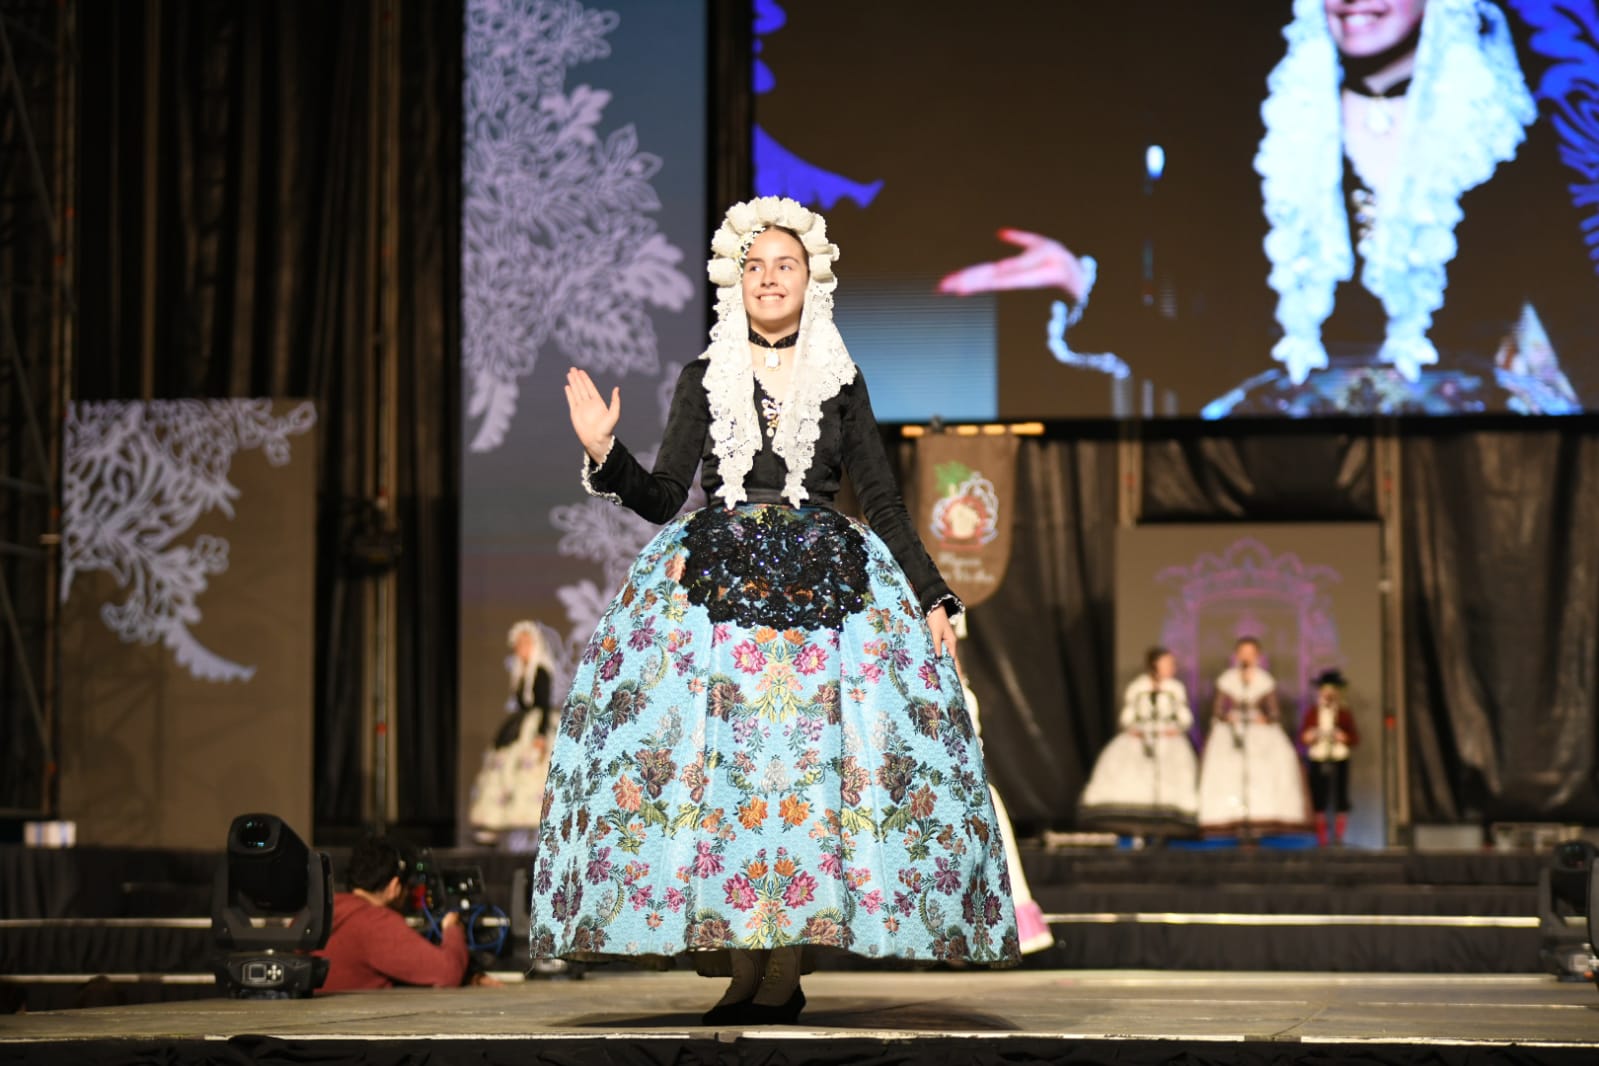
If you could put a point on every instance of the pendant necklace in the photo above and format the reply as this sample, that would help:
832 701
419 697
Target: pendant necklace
1379 118
774 358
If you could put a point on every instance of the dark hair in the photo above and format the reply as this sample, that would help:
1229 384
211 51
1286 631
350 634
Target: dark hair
375 861
1153 656
1246 639
804 256
1334 677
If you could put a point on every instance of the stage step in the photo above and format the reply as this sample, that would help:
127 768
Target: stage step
1158 908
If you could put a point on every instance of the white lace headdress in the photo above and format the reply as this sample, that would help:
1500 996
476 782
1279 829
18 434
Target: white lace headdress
1467 110
822 363
522 674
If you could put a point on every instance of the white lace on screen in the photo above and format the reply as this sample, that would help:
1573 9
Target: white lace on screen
1467 110
822 364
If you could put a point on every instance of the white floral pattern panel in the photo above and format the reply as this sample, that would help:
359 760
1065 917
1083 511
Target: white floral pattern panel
558 246
136 476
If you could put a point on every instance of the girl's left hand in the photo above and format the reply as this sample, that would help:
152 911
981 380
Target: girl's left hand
943 635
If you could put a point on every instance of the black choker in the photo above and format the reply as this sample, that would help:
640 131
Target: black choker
781 342
1359 87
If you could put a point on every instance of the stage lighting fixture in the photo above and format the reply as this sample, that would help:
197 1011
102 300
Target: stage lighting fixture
272 904
1568 889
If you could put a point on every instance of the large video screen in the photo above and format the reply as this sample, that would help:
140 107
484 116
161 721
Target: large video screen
1166 208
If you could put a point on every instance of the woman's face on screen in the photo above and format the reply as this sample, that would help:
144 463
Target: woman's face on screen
1365 28
1166 666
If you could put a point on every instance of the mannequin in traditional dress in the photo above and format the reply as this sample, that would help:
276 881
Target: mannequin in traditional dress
1328 733
1250 780
1144 781
509 790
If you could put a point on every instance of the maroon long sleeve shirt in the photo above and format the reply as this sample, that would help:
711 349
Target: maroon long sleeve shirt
372 947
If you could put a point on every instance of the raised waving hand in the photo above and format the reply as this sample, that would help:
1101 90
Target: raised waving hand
593 420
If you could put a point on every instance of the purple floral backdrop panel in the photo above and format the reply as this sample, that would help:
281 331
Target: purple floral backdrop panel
1309 592
583 237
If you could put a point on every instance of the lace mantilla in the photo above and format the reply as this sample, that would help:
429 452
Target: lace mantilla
822 363
824 367
730 392
1467 112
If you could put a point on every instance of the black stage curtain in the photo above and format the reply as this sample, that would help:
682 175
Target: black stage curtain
1501 596
1262 473
1039 651
226 211
1499 586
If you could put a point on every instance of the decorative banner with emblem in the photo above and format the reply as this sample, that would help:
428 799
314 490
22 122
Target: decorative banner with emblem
965 490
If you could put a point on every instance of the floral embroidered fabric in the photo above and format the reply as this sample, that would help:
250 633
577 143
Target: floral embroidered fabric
804 772
811 569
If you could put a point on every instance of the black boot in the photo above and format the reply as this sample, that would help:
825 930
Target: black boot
784 1014
728 1013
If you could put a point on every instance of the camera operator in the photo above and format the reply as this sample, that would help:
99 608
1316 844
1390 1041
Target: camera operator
371 945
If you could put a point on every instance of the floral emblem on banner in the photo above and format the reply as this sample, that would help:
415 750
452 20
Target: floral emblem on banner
966 513
135 478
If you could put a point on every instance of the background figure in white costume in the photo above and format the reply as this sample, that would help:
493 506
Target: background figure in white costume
1250 779
1031 929
508 793
1144 781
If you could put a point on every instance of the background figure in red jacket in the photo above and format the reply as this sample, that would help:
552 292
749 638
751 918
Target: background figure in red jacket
371 945
1328 733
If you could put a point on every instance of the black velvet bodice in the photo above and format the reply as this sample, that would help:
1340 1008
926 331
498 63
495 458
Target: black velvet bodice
849 443
539 705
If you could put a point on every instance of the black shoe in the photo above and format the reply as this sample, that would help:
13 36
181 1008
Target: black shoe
728 1013
784 1014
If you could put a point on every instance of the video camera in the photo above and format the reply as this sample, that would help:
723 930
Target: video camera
437 890
434 891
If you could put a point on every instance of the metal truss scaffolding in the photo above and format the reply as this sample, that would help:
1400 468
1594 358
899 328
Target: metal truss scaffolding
38 168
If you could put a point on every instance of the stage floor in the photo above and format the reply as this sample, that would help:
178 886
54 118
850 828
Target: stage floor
1109 1006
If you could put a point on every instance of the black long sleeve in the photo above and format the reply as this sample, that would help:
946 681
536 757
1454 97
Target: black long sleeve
866 462
541 700
511 729
849 441
656 496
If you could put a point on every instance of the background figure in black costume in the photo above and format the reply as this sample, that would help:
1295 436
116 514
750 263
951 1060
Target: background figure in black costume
508 792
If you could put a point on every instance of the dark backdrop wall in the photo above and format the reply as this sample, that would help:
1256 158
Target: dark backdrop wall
231 170
228 249
1498 534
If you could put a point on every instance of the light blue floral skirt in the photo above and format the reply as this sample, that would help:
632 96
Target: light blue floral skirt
762 749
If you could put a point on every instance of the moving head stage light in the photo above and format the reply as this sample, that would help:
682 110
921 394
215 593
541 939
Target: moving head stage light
1568 908
272 904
